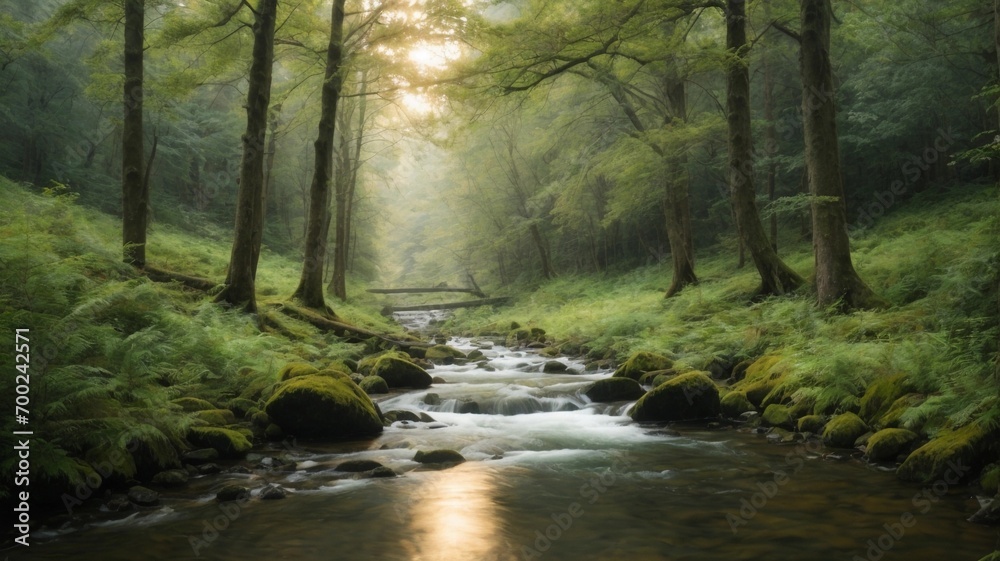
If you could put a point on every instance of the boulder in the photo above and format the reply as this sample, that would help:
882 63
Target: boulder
171 478
687 397
886 444
232 492
229 443
614 389
443 354
952 455
142 496
642 362
554 367
374 385
470 407
843 430
241 407
735 404
811 423
438 457
762 377
382 471
357 466
401 415
778 416
201 456
399 373
323 407
271 492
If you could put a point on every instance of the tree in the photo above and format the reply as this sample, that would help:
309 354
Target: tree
240 280
310 289
776 277
836 280
135 194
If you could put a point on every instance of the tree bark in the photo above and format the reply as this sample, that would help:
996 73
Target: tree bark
776 277
135 197
678 200
240 280
345 198
770 130
310 289
836 280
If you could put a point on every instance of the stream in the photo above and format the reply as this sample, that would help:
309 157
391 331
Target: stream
549 476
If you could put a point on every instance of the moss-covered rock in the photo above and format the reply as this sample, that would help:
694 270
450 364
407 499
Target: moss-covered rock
333 373
811 423
687 397
296 369
517 337
660 379
232 492
399 373
273 432
374 385
366 364
260 420
438 457
881 394
648 378
886 444
192 404
762 377
778 416
640 363
240 406
229 443
323 407
614 389
341 366
171 478
740 370
443 354
954 453
843 430
215 417
989 479
357 466
735 404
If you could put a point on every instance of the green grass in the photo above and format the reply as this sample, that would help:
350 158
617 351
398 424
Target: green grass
934 260
111 349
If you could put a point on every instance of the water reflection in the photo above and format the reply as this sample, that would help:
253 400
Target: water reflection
455 516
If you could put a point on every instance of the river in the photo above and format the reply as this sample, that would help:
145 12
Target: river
549 476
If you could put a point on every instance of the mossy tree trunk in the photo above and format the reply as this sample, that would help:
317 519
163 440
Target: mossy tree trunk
836 279
678 200
310 289
240 280
770 129
346 187
776 277
135 195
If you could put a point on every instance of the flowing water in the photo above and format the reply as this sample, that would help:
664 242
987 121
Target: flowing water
550 476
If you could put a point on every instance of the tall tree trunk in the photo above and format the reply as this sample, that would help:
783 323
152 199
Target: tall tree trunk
135 197
240 280
310 289
543 251
770 130
836 279
272 150
345 198
678 200
776 277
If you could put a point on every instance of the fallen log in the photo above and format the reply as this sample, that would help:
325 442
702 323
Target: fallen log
157 274
349 332
449 305
474 291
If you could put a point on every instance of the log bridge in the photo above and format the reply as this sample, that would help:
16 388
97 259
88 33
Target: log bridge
482 301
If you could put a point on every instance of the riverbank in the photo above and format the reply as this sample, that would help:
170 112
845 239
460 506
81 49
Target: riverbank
935 346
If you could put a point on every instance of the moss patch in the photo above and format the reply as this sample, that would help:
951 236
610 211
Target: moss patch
811 423
642 362
778 416
881 394
443 353
735 403
296 369
843 430
193 404
399 373
229 443
374 385
762 377
215 417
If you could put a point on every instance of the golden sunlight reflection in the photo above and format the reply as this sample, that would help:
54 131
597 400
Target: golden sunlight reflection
456 517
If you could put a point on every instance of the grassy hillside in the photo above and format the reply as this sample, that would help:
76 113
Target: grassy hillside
111 350
935 260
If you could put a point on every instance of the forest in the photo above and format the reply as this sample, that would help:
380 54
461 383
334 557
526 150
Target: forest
500 279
